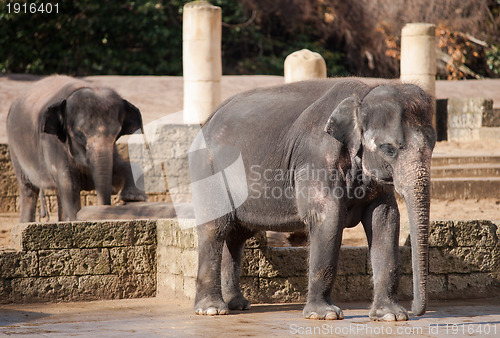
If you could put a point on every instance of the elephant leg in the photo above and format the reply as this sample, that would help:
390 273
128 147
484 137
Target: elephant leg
68 200
27 191
325 241
124 179
231 269
381 223
60 213
209 300
29 197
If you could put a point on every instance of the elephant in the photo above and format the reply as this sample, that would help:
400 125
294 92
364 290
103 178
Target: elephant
62 135
317 156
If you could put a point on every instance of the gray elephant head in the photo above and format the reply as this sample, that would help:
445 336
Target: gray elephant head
390 138
90 120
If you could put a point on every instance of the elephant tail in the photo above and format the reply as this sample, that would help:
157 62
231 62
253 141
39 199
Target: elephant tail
44 214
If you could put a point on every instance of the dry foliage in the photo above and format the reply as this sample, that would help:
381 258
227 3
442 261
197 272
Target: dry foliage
368 31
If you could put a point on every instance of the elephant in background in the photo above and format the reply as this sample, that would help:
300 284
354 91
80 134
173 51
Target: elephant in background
62 136
319 156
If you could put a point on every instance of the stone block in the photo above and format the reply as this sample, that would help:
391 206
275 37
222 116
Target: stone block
44 289
442 234
98 287
340 292
405 263
189 263
491 116
74 262
465 117
114 233
5 291
169 260
188 238
436 284
166 158
259 240
189 287
353 261
8 204
442 261
405 288
166 283
251 262
44 236
18 264
283 262
168 233
135 259
117 287
359 287
475 233
478 259
283 290
475 285
249 286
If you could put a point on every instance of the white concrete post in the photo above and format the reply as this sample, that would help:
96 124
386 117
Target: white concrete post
202 65
304 65
418 56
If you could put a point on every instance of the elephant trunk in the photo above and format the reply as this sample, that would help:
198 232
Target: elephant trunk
416 193
101 166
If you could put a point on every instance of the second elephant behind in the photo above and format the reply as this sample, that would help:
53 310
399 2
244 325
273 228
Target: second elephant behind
62 136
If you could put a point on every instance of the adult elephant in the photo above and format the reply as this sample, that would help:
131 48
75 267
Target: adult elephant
62 135
317 155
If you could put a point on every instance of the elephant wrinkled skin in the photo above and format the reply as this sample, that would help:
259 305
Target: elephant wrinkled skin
318 156
62 135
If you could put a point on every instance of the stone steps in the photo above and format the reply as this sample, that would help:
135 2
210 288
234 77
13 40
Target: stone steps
466 170
441 160
462 177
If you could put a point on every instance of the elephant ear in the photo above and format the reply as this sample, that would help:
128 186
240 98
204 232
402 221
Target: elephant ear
343 125
133 119
53 120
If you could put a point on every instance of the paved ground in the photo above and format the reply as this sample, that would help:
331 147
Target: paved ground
175 317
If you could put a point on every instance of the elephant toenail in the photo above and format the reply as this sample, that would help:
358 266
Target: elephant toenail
389 317
331 316
211 311
402 317
313 315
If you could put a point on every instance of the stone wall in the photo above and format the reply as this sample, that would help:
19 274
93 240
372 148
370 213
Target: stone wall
472 119
79 261
165 160
129 259
464 263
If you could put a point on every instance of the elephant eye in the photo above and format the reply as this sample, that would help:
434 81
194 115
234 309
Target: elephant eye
81 137
389 150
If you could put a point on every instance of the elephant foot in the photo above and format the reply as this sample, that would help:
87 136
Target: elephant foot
211 307
238 302
132 194
322 311
388 313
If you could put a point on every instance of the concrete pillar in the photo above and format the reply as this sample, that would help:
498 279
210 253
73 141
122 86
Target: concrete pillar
418 56
202 65
304 65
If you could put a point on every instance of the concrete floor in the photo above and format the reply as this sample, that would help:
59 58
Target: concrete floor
175 317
